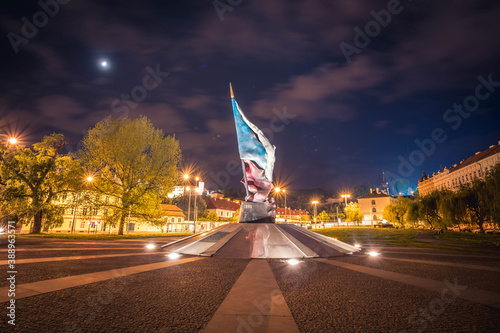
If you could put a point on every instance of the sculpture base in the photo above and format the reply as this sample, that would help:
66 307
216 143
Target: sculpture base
255 212
260 240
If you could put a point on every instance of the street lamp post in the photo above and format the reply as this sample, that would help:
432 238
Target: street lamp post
189 202
74 214
286 214
277 190
345 196
315 203
89 180
195 218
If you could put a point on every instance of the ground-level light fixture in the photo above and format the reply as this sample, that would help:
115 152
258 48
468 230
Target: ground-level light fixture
150 246
373 254
173 255
357 245
293 262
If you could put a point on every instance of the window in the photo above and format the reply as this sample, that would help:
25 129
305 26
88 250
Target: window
179 220
82 224
374 217
374 210
84 211
172 220
373 202
94 211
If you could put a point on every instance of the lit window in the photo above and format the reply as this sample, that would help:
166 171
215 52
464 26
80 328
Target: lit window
82 224
374 210
84 212
373 202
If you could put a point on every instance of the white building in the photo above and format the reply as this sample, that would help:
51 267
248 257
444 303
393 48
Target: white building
474 167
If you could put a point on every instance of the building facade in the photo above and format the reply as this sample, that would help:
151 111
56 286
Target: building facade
80 216
372 206
474 167
224 208
292 215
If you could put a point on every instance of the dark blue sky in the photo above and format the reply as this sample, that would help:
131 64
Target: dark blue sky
346 121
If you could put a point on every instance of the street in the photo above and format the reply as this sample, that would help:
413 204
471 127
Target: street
122 286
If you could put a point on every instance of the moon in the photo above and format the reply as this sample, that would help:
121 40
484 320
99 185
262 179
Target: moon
104 64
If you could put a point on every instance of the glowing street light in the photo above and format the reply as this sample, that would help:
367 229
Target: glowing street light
315 203
90 179
345 196
186 176
189 202
12 141
277 190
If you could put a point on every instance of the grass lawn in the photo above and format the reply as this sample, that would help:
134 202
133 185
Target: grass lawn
99 236
366 235
468 238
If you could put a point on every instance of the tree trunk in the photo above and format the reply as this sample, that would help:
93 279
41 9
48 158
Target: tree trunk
37 222
480 224
122 222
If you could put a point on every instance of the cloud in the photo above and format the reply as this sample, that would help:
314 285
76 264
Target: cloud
324 93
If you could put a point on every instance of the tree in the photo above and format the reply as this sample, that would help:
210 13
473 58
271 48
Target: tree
429 210
212 216
32 179
492 188
134 163
230 193
183 203
323 216
476 201
353 213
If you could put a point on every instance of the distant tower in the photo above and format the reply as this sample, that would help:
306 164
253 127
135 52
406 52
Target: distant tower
385 184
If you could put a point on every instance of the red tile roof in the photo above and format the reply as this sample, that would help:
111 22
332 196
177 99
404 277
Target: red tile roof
221 204
172 210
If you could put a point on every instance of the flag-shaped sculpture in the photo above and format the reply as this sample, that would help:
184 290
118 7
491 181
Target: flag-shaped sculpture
257 156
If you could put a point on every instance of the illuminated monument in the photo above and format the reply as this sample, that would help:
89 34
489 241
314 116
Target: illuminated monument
256 235
257 160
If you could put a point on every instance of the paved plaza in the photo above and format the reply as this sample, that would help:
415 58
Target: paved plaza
122 286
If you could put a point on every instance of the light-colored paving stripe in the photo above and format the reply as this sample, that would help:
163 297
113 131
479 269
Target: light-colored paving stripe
448 289
254 304
74 249
450 264
47 286
37 260
442 254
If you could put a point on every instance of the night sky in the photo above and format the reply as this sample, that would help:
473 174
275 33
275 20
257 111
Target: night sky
335 123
